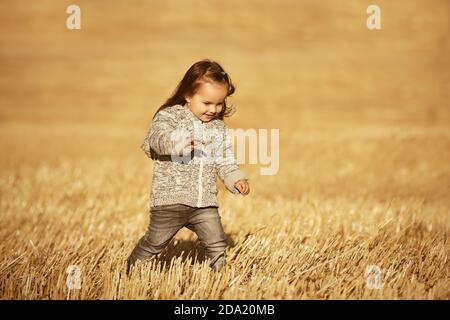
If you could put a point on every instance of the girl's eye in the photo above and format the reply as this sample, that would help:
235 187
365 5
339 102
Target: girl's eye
208 103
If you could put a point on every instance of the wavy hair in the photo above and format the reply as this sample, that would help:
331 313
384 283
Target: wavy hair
202 71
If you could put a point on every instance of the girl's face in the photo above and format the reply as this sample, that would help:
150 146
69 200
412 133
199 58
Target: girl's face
207 102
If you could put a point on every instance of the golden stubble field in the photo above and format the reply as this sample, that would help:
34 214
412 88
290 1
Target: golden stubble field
359 208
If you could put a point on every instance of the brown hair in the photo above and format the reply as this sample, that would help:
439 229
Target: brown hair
202 71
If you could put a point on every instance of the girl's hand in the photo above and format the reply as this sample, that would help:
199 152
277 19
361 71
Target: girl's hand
242 186
185 145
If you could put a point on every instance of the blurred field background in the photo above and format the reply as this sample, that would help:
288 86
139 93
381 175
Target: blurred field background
364 119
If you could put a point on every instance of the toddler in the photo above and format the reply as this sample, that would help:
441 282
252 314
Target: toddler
190 144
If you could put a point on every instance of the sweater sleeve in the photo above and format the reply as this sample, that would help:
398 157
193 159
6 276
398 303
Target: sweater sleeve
158 138
226 167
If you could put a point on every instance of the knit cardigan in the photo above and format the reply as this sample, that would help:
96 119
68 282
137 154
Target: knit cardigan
189 179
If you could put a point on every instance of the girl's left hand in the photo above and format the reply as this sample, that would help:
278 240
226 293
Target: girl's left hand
242 186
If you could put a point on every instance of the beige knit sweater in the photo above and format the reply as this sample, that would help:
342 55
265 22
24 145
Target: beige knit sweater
189 179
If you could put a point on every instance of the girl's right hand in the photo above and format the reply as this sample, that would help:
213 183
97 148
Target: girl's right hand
185 145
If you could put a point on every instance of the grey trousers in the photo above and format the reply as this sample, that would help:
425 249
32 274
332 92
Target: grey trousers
167 220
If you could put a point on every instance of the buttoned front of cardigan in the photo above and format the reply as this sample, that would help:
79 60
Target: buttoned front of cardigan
189 180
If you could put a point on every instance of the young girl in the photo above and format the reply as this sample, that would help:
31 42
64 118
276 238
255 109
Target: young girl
187 141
